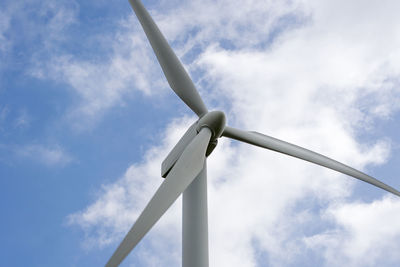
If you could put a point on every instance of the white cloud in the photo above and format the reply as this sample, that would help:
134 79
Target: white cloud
102 83
318 85
44 21
48 155
367 234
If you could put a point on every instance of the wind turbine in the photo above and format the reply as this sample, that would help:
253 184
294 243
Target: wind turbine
184 168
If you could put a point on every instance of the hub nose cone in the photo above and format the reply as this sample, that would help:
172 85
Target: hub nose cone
215 121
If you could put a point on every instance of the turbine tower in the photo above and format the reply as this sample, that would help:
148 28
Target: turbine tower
185 168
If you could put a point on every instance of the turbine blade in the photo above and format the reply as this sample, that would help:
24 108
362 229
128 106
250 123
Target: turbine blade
188 166
173 69
178 149
280 146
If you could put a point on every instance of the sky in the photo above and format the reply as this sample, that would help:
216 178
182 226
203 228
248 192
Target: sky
86 118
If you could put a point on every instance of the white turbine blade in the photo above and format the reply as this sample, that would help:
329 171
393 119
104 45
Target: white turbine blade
178 149
173 69
188 166
277 145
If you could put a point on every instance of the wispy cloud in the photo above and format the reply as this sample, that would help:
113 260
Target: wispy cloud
47 155
23 119
4 111
42 24
102 83
4 25
13 119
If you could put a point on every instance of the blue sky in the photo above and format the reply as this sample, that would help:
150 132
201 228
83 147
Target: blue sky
86 118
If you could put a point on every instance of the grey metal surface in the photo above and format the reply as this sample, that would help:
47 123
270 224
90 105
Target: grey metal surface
176 152
215 121
188 166
277 145
173 69
195 222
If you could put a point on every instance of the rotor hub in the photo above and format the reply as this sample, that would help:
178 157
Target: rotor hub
215 121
